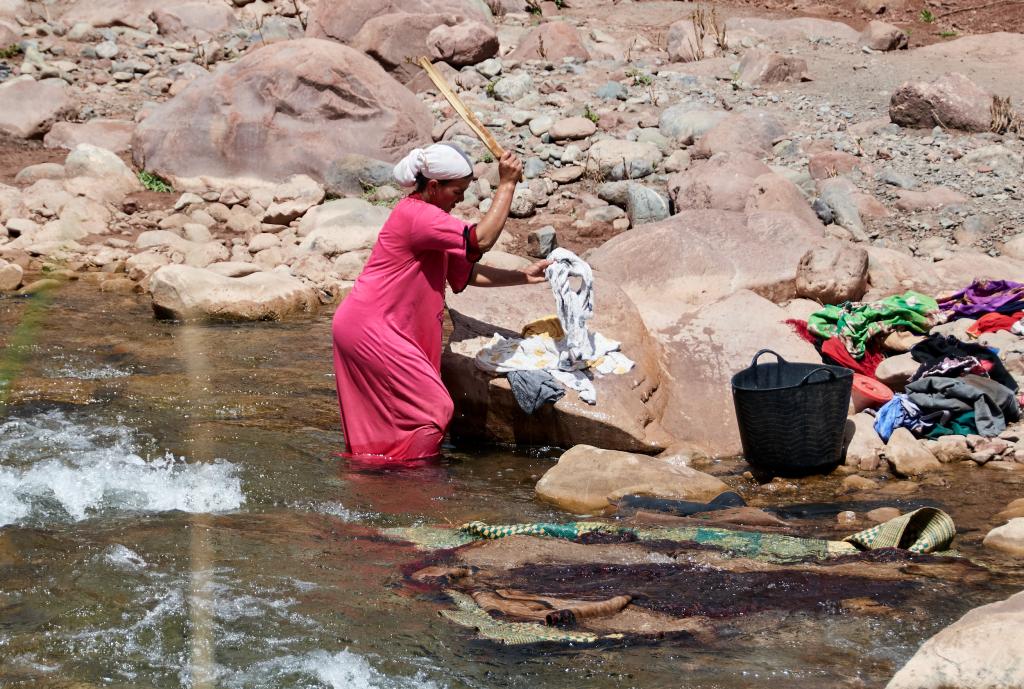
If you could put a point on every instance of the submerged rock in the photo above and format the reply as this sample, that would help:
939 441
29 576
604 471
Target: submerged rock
981 650
587 479
184 292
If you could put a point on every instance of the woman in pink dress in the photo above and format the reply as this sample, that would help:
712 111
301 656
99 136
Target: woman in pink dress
387 332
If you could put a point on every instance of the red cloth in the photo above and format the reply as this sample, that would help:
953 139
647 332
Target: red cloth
835 350
994 322
801 329
387 335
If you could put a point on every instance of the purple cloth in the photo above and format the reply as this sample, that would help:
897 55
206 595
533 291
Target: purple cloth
985 296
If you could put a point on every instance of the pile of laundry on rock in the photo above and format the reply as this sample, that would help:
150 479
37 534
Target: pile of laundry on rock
960 387
556 352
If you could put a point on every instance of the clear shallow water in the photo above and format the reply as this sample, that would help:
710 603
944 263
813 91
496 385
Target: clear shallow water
173 514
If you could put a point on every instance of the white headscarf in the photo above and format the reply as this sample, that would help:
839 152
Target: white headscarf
437 161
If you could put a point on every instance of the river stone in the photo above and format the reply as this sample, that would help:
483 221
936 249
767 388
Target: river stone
1009 538
880 515
833 274
541 242
352 174
761 68
234 122
625 416
613 159
951 448
342 213
952 101
773 192
723 182
589 479
907 456
552 42
1012 511
572 128
856 483
34 173
865 446
883 37
396 40
645 205
185 292
840 195
896 371
113 135
28 108
754 132
981 650
194 22
686 122
341 21
10 276
511 88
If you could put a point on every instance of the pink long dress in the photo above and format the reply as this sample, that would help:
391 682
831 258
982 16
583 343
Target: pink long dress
387 335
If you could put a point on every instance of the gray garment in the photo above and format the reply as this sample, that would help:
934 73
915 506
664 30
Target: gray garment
534 389
992 402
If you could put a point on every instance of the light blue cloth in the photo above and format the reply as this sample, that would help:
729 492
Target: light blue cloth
899 412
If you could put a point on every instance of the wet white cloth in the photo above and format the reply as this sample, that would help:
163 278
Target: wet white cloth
572 360
575 307
542 352
437 161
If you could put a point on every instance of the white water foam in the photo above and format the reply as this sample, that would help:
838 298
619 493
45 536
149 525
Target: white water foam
90 372
53 468
336 509
323 670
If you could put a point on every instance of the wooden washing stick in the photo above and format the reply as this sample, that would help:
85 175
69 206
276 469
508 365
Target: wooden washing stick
465 113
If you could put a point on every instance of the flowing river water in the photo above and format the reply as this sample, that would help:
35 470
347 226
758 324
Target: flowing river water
173 514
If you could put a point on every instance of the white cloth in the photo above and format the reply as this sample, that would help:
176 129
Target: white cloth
1017 328
541 352
574 359
437 161
575 308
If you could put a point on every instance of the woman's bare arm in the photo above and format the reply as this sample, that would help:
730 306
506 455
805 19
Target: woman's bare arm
489 276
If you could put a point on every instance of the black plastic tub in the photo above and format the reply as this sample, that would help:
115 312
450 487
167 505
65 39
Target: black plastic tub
791 416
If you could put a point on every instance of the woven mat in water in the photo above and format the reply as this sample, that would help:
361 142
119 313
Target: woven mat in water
468 614
925 530
922 531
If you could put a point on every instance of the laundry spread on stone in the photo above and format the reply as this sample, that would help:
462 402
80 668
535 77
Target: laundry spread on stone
857 323
572 360
985 296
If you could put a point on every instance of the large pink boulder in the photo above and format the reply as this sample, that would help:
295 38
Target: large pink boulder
28 108
722 182
287 108
194 21
551 41
952 101
678 265
625 416
394 40
703 350
341 21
